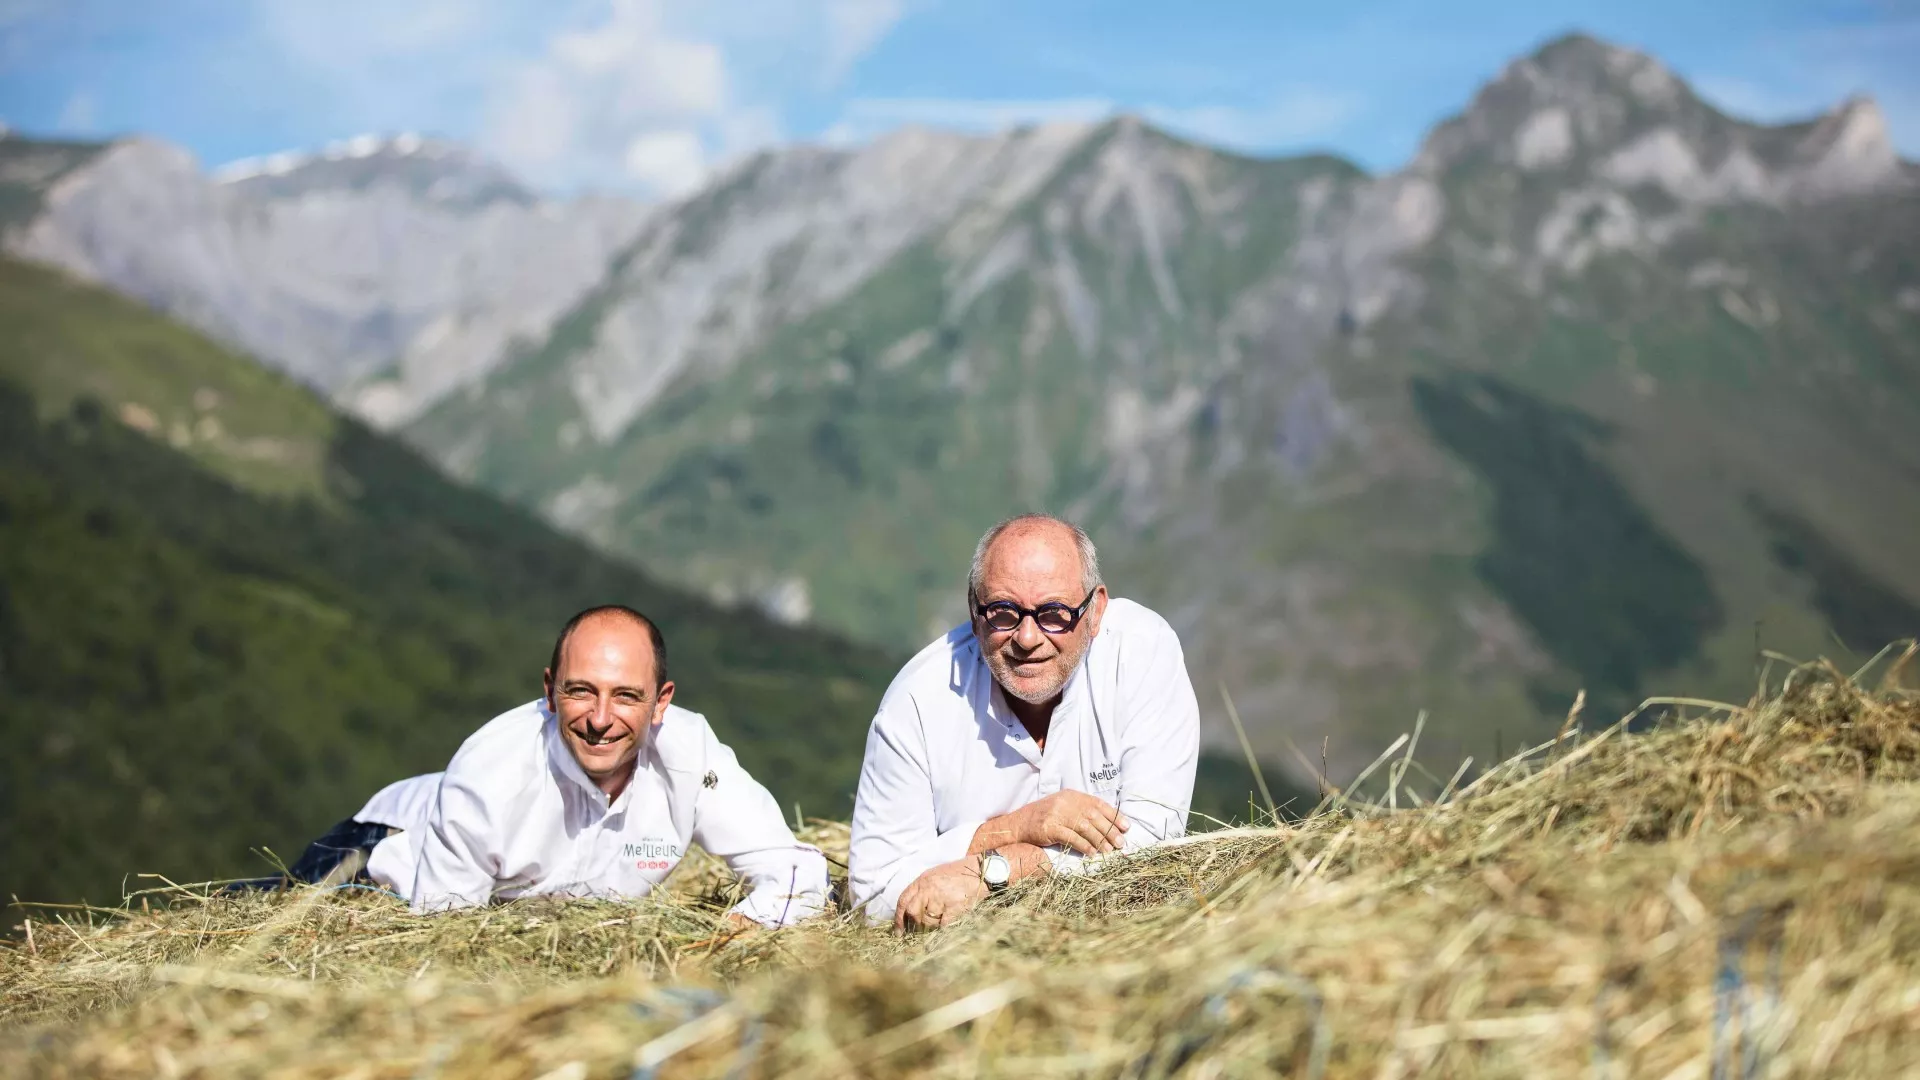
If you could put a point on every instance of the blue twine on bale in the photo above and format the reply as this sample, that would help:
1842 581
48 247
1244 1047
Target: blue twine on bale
369 888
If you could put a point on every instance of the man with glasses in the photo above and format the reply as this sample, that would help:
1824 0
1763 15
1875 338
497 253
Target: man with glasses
1056 727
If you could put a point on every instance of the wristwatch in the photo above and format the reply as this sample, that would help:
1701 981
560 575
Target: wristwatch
996 870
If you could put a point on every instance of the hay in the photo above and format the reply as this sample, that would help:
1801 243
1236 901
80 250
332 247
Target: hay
1736 894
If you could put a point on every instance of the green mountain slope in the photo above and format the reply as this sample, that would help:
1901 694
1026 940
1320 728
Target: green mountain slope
1606 390
893 420
228 615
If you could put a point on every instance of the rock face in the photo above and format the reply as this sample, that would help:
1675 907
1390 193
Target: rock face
385 272
1584 107
1522 418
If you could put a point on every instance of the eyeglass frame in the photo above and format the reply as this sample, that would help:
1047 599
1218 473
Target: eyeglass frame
1075 614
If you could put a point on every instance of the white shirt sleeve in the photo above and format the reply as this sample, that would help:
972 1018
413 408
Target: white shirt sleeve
457 861
737 820
403 804
896 837
1160 748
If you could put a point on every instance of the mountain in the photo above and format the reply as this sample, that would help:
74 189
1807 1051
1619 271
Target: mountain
1605 390
384 271
228 614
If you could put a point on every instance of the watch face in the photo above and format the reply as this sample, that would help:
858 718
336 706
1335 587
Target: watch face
995 869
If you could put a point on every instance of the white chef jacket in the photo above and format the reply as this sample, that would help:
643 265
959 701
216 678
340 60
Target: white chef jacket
403 805
945 753
516 816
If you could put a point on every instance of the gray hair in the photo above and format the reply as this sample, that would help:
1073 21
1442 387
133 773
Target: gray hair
1089 556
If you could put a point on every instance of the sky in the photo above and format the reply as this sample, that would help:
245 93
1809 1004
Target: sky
649 97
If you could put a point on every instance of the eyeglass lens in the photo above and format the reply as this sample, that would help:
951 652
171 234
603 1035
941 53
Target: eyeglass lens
1053 620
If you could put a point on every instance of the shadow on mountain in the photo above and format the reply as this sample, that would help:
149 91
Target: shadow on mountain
1864 611
1608 593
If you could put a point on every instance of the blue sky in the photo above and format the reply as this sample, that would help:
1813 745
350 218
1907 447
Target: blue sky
649 96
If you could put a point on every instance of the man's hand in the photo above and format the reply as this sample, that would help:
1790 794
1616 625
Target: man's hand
1071 819
940 895
739 925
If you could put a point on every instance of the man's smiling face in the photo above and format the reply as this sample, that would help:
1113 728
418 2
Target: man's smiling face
1031 565
604 696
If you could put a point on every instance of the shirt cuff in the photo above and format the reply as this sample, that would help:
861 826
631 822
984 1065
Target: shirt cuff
802 894
774 907
394 862
1066 861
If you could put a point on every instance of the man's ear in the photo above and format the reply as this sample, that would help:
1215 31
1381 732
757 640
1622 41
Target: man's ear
660 703
546 687
1097 612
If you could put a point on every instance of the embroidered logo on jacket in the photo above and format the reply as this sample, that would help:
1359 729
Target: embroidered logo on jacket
1104 778
712 779
651 854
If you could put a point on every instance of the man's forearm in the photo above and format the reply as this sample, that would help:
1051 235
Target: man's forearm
1027 860
995 832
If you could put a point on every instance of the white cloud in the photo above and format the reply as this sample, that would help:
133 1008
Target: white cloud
668 162
536 123
584 111
646 92
80 115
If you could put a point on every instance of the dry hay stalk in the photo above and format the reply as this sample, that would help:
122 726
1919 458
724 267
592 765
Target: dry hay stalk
1730 895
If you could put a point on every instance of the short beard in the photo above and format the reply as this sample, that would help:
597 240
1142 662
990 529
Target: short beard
1001 668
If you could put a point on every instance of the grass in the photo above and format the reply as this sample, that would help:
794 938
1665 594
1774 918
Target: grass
1735 893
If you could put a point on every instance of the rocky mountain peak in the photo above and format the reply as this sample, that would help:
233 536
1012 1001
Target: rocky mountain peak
1601 116
1578 68
438 171
1845 151
1575 95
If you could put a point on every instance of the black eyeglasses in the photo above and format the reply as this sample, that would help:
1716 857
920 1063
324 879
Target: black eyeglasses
1053 617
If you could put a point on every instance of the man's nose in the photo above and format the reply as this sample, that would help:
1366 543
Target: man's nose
602 717
1028 634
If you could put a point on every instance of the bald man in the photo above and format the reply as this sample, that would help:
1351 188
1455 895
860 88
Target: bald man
595 789
1055 727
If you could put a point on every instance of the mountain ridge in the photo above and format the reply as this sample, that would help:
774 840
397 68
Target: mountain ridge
410 269
441 170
